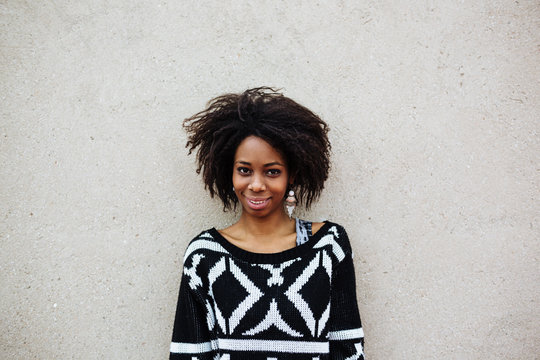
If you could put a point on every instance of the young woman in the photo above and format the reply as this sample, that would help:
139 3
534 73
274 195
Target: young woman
270 286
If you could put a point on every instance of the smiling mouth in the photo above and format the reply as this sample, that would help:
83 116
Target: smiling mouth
258 202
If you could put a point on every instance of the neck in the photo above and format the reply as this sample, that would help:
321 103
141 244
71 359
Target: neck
275 224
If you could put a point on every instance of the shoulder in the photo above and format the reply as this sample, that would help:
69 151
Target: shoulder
334 236
316 226
331 228
202 245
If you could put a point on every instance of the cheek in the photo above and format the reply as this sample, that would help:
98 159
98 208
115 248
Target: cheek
239 181
281 187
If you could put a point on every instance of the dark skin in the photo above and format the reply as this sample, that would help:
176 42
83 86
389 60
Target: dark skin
261 179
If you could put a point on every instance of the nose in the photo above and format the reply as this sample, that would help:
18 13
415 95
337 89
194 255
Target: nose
257 184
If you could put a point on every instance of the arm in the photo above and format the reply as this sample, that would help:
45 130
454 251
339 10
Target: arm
192 338
345 333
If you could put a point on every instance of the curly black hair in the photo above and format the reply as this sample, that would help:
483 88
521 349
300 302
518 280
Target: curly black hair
292 129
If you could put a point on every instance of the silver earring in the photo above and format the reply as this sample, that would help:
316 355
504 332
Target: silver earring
290 203
233 189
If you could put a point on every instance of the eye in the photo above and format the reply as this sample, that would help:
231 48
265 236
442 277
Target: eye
273 172
243 170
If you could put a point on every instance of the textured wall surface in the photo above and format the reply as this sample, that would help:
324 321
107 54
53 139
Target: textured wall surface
434 111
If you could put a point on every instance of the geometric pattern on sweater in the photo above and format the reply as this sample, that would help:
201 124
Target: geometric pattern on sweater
293 294
229 324
297 304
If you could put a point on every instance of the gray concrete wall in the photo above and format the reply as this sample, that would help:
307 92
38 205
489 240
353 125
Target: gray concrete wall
434 111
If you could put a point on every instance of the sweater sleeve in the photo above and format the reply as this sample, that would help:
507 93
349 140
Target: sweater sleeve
192 338
345 333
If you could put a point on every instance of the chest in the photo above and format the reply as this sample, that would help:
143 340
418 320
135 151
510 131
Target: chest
290 299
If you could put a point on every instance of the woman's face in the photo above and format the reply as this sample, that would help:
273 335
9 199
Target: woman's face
260 177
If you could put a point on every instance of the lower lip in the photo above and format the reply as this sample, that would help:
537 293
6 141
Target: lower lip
259 205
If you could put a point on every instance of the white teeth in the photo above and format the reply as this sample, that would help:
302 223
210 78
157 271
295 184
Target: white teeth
256 202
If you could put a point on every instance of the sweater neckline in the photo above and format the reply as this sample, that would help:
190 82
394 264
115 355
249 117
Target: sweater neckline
270 258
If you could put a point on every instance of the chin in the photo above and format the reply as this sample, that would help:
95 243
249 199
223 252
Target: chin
258 213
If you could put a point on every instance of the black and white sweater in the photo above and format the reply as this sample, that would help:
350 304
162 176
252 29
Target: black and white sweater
296 304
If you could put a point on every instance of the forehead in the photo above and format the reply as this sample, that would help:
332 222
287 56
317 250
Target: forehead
254 149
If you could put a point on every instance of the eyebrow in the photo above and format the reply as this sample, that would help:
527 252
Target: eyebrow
265 165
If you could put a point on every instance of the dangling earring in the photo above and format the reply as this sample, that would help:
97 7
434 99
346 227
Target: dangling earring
290 203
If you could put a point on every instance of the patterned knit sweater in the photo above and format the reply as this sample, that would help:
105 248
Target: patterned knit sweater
296 304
